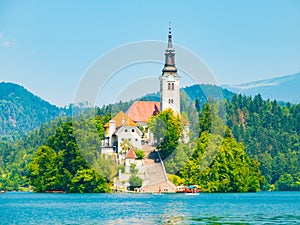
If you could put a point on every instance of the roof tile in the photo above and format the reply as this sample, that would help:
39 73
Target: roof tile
122 120
141 111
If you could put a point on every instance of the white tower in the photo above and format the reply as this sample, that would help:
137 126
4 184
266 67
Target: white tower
169 81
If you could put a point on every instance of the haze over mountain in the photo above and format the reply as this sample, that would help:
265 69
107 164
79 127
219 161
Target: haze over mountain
285 88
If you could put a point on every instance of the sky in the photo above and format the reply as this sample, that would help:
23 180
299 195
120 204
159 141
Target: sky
48 46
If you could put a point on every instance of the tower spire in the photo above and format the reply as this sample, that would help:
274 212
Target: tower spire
170 54
170 80
170 37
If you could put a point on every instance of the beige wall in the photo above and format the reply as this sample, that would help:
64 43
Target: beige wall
170 98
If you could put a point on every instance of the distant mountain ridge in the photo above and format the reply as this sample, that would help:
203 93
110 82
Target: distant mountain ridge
196 91
22 111
284 88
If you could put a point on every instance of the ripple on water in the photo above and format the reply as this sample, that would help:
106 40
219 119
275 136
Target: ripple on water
258 208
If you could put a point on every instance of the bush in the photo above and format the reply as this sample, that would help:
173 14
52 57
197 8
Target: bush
139 154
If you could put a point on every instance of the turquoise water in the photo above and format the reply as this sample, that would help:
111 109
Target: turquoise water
248 208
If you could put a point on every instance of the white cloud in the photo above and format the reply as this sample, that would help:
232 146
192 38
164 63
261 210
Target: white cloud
5 42
8 43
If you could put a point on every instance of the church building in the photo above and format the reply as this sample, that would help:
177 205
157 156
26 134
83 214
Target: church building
133 124
170 81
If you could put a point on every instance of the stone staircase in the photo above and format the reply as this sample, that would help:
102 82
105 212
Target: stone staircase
157 180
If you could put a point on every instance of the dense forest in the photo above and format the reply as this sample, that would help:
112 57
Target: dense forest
270 133
21 111
60 165
258 148
264 133
214 161
15 156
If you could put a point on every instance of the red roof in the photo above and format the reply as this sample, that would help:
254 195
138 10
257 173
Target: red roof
141 111
130 154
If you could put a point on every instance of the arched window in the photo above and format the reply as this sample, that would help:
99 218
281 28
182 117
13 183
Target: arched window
172 86
169 86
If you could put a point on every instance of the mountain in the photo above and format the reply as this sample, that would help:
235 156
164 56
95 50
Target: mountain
283 88
22 111
200 92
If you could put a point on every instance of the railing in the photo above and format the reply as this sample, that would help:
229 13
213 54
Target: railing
162 163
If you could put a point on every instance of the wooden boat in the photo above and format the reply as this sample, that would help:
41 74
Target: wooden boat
190 189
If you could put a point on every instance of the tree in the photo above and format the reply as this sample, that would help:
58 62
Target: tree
42 170
179 158
167 129
219 163
210 120
126 145
60 166
269 133
231 170
287 182
134 180
140 154
106 166
88 181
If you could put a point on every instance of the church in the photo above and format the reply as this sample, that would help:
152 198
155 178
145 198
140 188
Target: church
132 125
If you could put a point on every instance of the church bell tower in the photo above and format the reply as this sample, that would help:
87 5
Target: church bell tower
170 80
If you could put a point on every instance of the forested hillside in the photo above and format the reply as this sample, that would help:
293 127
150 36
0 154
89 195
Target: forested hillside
21 111
61 165
260 134
270 134
214 161
16 156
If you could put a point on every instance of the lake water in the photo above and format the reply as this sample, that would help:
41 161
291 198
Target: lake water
248 208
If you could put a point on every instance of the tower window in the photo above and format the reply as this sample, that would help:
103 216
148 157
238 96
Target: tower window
170 101
171 86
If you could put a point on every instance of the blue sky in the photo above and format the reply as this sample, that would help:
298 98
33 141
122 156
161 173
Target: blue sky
47 46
